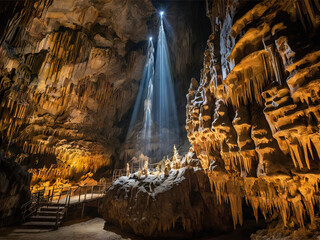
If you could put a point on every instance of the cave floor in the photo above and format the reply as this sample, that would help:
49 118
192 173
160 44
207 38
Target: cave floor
93 229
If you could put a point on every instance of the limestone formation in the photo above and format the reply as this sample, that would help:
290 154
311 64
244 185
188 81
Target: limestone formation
175 205
69 77
14 191
69 73
255 113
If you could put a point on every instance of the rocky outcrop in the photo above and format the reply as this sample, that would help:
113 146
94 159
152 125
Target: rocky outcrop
69 75
253 119
14 191
178 204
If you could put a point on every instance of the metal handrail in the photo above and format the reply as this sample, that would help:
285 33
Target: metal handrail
152 167
54 196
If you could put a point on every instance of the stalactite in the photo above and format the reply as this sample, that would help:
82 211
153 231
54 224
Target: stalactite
265 131
290 196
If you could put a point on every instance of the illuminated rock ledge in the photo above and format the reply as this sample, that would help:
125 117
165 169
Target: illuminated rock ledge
181 203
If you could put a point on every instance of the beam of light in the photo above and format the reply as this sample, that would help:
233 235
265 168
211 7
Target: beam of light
141 121
164 107
161 13
154 127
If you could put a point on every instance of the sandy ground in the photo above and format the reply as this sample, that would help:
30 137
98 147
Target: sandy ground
87 230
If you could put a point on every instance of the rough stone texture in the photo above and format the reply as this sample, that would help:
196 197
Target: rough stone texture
14 191
253 119
276 231
158 205
69 75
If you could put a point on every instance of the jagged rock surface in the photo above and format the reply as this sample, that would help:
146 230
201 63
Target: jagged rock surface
254 117
69 74
157 205
14 191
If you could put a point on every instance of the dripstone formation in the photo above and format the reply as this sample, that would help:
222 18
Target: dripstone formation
253 119
69 74
69 77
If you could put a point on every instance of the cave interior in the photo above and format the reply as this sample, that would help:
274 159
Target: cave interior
159 119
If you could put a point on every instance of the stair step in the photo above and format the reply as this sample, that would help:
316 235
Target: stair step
40 225
48 213
52 208
47 218
28 230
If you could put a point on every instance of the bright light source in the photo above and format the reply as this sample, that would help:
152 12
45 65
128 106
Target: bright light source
161 13
150 38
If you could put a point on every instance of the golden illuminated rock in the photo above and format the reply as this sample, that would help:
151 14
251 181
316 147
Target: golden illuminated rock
67 77
159 205
255 115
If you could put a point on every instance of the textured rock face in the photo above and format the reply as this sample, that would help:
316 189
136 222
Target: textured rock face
14 191
253 119
69 75
156 205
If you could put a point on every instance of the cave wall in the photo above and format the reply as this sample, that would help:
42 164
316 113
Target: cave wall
70 72
253 118
14 191
8 8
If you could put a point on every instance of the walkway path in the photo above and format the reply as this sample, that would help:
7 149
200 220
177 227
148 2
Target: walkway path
82 198
91 229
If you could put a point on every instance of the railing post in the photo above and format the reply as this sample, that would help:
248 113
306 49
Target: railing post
59 197
69 197
38 198
57 217
85 194
92 191
49 195
44 193
83 206
52 194
67 202
80 194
